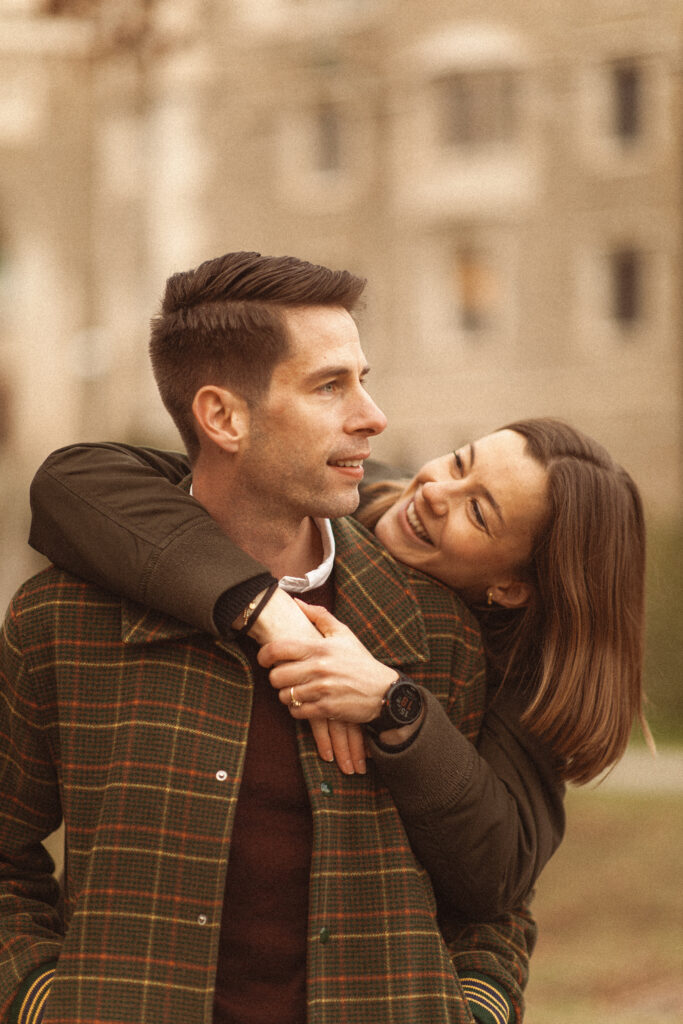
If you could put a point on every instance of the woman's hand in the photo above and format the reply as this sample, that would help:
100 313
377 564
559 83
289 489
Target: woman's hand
332 675
343 742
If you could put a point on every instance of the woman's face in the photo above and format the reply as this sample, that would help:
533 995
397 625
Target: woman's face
469 518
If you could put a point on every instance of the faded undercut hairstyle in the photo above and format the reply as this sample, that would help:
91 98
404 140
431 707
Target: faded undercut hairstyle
576 650
224 323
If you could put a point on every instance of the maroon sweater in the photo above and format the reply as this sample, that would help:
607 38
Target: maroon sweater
261 975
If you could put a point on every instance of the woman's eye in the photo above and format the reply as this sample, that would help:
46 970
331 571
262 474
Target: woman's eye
477 513
458 463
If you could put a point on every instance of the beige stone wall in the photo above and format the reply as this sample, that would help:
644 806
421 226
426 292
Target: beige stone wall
546 208
314 128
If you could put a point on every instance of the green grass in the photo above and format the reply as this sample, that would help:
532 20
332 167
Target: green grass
663 647
610 913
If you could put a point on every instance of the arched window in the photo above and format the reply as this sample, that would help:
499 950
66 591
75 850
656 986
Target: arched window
478 107
626 85
626 281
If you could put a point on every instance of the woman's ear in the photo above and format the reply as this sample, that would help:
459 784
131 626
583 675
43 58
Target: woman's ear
222 416
514 594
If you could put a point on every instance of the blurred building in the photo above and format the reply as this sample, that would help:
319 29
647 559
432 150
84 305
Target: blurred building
508 177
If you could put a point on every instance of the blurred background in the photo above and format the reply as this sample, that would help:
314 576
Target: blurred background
508 177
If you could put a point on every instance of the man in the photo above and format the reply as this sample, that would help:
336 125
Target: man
217 869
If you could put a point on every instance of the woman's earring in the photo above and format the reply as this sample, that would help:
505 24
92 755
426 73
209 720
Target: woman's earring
489 596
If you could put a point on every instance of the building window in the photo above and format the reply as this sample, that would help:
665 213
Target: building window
627 88
5 411
478 108
475 289
328 148
626 275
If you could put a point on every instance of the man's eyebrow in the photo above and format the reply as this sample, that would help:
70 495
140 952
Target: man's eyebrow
328 372
486 492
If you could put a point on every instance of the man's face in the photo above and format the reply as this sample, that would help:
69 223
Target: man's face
310 433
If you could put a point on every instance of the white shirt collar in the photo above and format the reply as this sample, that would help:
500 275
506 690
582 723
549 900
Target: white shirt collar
321 574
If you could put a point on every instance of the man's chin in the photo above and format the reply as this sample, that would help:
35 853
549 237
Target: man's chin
341 505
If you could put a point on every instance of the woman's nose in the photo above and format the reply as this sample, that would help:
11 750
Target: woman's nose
439 495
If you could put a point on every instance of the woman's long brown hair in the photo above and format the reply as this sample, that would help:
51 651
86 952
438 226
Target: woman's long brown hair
577 648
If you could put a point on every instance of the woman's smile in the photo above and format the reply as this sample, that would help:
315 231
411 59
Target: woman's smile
416 524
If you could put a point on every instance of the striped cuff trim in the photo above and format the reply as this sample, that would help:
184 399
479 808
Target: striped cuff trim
30 1010
488 1003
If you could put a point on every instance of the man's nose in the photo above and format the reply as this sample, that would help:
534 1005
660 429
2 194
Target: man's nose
369 418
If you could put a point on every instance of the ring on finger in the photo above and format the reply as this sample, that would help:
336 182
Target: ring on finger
293 702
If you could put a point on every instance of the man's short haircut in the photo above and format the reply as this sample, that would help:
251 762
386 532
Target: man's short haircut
224 323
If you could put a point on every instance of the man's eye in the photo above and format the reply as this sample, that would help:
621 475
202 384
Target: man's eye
329 387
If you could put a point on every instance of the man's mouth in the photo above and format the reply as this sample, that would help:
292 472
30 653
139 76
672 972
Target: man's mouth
415 523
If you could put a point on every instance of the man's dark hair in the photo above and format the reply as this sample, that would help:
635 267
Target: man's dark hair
224 323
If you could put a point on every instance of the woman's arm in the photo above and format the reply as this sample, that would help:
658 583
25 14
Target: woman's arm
114 515
485 821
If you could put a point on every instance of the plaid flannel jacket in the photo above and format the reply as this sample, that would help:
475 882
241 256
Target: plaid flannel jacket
133 726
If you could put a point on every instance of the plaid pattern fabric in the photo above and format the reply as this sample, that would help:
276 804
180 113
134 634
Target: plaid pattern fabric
136 727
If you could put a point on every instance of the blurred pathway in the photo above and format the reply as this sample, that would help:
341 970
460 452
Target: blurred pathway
640 771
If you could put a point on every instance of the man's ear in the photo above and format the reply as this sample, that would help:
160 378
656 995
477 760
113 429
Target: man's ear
222 416
511 594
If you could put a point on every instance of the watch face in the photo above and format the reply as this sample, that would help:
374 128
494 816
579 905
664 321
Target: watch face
405 703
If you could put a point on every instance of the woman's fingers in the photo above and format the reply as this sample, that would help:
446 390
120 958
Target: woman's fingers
342 742
298 647
323 620
356 741
321 735
280 651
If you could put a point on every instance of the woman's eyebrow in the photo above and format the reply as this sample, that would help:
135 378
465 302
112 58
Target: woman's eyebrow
485 491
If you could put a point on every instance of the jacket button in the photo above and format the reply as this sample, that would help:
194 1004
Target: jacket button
326 789
324 934
202 919
221 775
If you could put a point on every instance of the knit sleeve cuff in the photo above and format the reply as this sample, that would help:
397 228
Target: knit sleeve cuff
487 1002
441 756
29 1002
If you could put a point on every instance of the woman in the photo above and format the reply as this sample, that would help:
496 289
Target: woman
568 617
553 570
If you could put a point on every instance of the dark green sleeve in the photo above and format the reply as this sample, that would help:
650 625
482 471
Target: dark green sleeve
115 515
482 820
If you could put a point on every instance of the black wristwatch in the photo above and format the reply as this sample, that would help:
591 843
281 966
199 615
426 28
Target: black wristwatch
401 705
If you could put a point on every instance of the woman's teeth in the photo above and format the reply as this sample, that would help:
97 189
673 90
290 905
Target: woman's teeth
416 525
